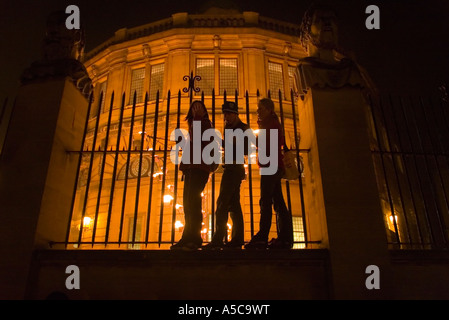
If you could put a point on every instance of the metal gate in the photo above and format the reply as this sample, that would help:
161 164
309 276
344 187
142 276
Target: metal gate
128 195
411 155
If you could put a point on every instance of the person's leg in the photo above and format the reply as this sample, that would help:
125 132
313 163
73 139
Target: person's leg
187 207
194 182
284 217
223 203
260 240
266 202
197 183
235 209
237 235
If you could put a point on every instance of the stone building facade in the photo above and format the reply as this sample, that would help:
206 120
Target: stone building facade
349 248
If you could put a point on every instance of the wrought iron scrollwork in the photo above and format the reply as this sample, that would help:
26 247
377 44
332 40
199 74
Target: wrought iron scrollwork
191 80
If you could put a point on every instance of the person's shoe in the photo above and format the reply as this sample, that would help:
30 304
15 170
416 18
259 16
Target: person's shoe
214 245
191 246
276 244
185 246
177 246
256 244
233 245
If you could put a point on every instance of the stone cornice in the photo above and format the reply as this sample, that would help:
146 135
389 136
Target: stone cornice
198 21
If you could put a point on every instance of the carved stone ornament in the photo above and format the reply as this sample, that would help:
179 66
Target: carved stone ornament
315 73
63 50
325 66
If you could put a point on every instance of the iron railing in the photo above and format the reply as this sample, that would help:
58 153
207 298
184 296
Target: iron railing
410 150
4 123
127 194
118 174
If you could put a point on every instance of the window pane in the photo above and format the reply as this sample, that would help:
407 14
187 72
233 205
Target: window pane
298 232
156 81
276 80
205 69
228 76
137 78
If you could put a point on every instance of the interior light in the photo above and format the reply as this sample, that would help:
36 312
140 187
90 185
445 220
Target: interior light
167 198
87 221
178 224
395 218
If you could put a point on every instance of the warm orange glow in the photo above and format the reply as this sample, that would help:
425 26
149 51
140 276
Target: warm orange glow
167 198
156 173
178 224
86 222
395 218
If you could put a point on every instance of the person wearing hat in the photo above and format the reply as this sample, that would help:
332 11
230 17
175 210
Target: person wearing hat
229 197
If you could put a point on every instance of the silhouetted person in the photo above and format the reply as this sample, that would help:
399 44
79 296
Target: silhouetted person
195 179
229 197
271 188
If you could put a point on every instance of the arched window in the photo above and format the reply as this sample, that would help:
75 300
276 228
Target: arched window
133 169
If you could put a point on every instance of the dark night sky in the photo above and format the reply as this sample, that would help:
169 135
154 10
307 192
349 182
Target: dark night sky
408 55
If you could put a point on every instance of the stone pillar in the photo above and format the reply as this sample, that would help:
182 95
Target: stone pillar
346 189
254 59
37 175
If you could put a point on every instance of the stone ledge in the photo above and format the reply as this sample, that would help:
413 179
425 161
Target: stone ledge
158 274
165 256
420 256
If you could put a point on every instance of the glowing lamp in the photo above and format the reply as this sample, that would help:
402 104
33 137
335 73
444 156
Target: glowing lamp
87 221
167 198
178 224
